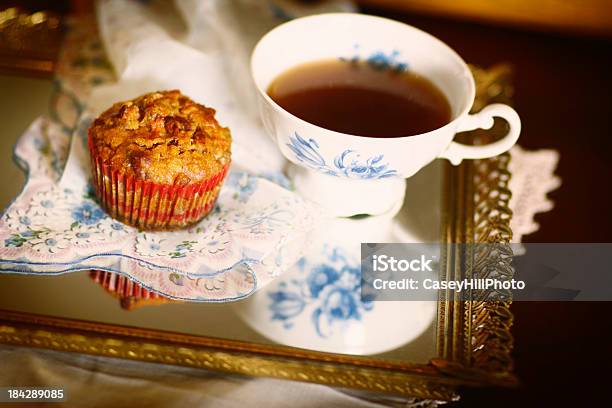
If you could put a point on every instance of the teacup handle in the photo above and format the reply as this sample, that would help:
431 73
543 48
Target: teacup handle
456 152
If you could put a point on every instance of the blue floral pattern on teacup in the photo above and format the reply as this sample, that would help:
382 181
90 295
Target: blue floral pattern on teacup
347 164
379 60
333 287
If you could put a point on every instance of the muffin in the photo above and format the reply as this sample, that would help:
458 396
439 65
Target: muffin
131 295
159 160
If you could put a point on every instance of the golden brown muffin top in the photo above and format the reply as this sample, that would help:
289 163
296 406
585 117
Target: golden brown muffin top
163 137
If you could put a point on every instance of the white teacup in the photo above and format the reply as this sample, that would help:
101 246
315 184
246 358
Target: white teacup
364 175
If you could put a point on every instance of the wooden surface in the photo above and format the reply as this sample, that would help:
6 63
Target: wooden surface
562 92
579 16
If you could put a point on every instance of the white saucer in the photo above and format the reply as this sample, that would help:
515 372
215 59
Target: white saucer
317 304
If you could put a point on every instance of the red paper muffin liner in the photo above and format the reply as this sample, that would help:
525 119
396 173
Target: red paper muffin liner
153 206
130 294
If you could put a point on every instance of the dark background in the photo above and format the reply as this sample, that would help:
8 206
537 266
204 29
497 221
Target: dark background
562 350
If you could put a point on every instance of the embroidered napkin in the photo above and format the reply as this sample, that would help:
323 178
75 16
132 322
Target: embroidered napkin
256 230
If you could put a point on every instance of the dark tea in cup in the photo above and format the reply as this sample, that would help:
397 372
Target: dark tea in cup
360 98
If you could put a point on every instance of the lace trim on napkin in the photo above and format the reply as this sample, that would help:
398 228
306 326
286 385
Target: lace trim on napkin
533 177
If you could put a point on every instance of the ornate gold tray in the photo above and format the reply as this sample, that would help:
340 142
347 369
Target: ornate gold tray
471 341
29 43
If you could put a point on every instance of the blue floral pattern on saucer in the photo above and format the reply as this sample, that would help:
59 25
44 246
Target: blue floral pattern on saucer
333 286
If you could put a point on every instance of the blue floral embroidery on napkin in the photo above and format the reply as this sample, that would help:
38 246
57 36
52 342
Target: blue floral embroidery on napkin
87 213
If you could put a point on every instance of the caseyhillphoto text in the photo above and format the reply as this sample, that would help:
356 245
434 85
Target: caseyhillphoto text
457 285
